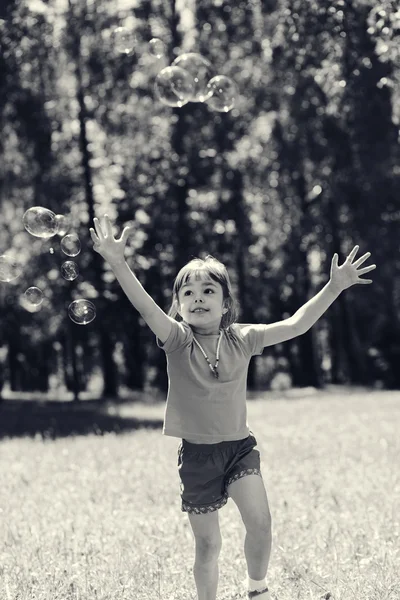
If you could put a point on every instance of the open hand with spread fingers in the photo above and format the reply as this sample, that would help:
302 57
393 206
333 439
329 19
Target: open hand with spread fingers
348 274
110 248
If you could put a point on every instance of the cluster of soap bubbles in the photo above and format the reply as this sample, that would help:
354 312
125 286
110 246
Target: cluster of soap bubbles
44 223
124 42
190 78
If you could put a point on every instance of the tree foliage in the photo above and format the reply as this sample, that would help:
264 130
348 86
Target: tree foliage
305 165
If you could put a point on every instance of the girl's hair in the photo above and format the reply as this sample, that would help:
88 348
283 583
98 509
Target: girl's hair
215 270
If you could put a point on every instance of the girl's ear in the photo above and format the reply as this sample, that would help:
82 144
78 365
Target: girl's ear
225 306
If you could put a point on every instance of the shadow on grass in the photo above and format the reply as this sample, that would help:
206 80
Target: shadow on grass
51 420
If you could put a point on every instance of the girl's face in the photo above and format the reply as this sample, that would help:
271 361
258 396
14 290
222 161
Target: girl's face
201 304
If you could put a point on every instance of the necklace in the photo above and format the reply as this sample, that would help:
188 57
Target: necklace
214 369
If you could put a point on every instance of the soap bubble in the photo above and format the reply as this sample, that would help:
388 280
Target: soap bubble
124 40
157 47
69 270
223 93
63 224
71 245
201 71
174 86
9 268
82 311
40 222
34 296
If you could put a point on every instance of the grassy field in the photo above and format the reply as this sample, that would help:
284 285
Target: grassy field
97 517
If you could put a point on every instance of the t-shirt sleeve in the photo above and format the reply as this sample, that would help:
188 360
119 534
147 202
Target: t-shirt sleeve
253 336
178 336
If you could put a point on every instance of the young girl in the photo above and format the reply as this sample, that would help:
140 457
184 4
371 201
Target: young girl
208 355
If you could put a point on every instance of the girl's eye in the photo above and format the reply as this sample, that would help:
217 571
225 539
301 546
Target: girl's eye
206 290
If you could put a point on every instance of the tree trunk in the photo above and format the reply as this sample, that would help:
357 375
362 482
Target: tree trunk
106 342
352 346
133 351
13 367
44 366
308 351
338 371
389 340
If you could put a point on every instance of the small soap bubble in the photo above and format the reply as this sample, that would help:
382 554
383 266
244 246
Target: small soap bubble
157 47
69 270
63 224
40 222
174 86
34 296
223 93
82 311
51 250
71 245
123 39
10 269
201 71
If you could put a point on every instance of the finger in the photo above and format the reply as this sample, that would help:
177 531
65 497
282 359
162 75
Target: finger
98 228
364 281
107 226
353 253
126 233
94 236
335 260
366 270
362 259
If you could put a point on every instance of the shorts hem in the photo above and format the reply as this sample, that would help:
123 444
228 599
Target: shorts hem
253 471
204 509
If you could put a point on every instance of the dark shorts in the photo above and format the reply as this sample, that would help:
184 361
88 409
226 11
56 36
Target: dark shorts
206 471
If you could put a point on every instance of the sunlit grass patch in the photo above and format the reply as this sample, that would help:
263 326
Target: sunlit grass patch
99 517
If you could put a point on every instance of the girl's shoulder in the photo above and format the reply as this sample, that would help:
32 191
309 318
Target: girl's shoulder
239 328
234 331
240 336
246 333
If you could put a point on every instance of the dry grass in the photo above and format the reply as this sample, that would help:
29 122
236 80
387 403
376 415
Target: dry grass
98 517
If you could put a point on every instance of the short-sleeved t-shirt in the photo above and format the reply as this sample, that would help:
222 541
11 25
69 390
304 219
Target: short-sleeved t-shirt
199 406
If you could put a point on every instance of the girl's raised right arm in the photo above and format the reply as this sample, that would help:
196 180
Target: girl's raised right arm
112 250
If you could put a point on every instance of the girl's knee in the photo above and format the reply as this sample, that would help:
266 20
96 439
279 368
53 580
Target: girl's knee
208 547
260 525
207 535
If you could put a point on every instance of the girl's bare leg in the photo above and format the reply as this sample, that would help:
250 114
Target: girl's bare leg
208 544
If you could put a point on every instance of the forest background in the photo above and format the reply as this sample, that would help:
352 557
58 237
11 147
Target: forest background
306 164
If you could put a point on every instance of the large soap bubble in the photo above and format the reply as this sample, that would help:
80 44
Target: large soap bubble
10 269
201 71
223 93
82 311
40 222
174 86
